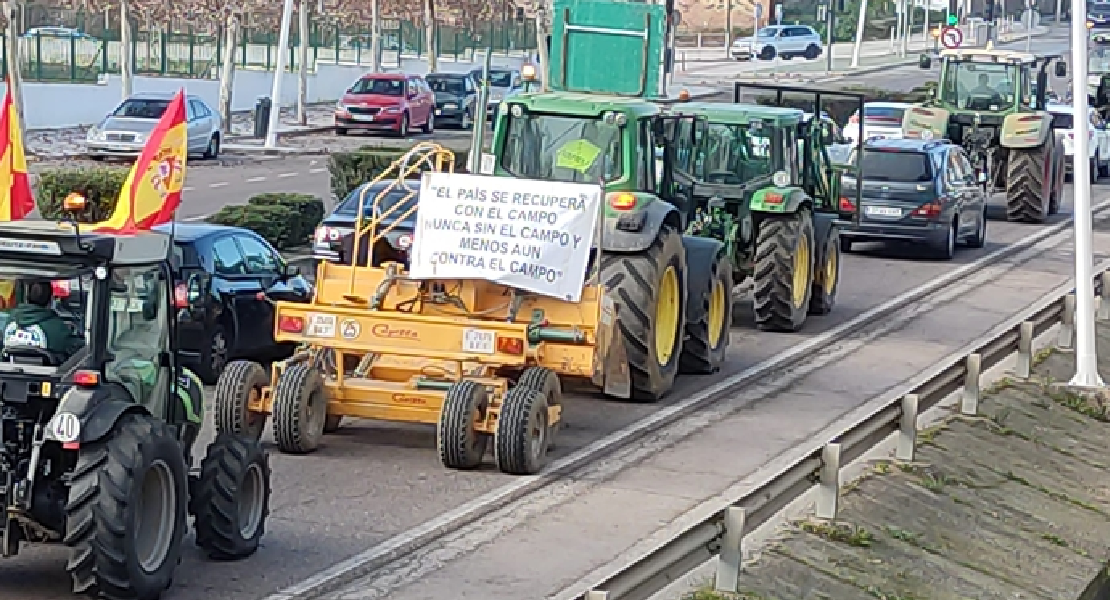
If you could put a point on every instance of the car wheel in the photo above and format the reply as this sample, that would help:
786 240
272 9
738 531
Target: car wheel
1104 169
979 238
340 131
1094 170
403 128
214 356
213 149
945 248
813 51
467 121
768 53
430 124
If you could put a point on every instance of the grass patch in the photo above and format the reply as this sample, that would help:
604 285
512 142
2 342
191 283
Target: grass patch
1054 539
840 533
1088 405
1043 354
709 593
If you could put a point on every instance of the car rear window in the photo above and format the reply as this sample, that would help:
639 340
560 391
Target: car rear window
447 85
185 255
349 207
885 165
1063 120
883 114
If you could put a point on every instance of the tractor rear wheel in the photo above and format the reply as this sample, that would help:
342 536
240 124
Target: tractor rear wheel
521 442
1029 183
232 497
240 384
827 279
650 288
707 340
460 445
300 409
127 510
546 382
783 271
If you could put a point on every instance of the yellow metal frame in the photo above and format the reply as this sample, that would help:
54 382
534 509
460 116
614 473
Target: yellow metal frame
390 346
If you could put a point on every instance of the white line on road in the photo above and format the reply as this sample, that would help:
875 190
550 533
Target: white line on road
197 218
317 170
283 175
187 189
256 179
218 185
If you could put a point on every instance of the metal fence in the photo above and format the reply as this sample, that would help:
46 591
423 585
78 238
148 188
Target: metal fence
82 57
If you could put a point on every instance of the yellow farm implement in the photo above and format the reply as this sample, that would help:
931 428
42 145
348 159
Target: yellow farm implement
480 360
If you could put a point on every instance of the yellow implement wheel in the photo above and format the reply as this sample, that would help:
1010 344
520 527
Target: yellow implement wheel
824 286
239 386
668 300
783 271
703 351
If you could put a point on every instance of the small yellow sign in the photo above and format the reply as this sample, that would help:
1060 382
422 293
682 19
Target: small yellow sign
577 154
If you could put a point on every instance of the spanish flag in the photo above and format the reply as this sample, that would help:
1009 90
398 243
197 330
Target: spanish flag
16 199
152 191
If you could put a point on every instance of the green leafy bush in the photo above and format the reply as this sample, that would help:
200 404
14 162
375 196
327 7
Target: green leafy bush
352 169
273 222
308 211
99 185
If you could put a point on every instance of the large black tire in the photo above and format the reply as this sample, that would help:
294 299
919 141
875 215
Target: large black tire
333 423
240 380
546 382
826 280
300 409
635 280
460 445
214 355
520 444
782 242
232 498
1029 182
706 342
106 531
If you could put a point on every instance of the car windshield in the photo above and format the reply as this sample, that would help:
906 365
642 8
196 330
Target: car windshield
141 108
389 215
501 79
65 287
896 167
447 85
573 149
979 85
378 87
736 154
883 115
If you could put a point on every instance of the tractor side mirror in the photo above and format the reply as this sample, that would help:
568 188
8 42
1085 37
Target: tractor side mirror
1061 68
982 178
925 62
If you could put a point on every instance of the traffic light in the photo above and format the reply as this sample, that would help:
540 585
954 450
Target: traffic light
951 20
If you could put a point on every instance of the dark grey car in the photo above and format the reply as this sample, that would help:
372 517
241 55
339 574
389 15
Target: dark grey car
456 95
917 191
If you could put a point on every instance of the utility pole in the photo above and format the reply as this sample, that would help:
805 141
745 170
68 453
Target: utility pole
126 69
830 19
282 59
302 63
728 28
15 76
860 24
376 38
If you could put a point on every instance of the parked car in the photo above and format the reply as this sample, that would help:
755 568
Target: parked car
502 82
1098 139
220 317
57 32
391 102
124 132
334 239
784 41
917 191
880 119
456 96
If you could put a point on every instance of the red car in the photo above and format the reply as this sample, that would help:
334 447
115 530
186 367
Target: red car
391 102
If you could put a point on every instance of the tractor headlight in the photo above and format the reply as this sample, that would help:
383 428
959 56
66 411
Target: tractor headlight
64 427
781 179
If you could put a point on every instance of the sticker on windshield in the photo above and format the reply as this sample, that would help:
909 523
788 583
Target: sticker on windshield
578 155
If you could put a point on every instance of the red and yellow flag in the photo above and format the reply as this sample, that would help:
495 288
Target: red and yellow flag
16 199
152 191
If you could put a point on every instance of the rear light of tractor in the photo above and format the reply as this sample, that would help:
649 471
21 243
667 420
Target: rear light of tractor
847 204
510 345
86 378
622 201
290 324
60 288
181 296
930 210
773 198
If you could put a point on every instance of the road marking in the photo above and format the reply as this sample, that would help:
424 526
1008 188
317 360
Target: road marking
218 185
317 170
283 175
256 179
392 549
187 189
197 218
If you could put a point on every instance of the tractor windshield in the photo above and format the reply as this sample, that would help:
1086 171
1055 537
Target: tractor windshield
562 148
736 154
44 306
980 85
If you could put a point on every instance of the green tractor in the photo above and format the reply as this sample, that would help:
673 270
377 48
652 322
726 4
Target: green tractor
985 101
603 125
1098 72
762 183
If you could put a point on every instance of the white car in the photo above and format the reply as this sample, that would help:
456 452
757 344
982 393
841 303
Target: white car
1098 145
880 120
784 41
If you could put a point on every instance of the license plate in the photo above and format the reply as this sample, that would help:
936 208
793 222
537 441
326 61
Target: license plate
363 117
118 147
438 112
478 341
321 326
883 211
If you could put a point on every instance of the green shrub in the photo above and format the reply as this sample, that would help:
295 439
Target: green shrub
352 169
274 222
308 211
99 185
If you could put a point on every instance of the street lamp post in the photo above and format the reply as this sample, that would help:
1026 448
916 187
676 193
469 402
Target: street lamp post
1086 353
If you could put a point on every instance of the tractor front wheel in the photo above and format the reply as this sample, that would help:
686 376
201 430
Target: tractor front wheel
1029 183
707 340
827 279
650 288
783 271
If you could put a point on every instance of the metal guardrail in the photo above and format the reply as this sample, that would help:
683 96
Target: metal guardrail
724 531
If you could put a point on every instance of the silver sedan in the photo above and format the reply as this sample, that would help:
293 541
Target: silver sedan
124 132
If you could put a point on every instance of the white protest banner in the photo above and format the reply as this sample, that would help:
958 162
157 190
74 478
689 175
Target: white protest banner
532 235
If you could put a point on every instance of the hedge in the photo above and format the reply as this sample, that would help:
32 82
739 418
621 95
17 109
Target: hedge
99 185
276 223
352 169
308 211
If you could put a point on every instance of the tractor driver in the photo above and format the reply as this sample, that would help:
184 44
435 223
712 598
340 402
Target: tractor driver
35 324
984 88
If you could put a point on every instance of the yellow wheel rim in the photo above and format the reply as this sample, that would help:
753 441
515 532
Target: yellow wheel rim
832 268
667 303
717 312
801 270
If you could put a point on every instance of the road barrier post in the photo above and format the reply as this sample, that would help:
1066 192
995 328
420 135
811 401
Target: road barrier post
969 399
1024 366
592 595
732 555
1066 338
907 429
828 486
1104 297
